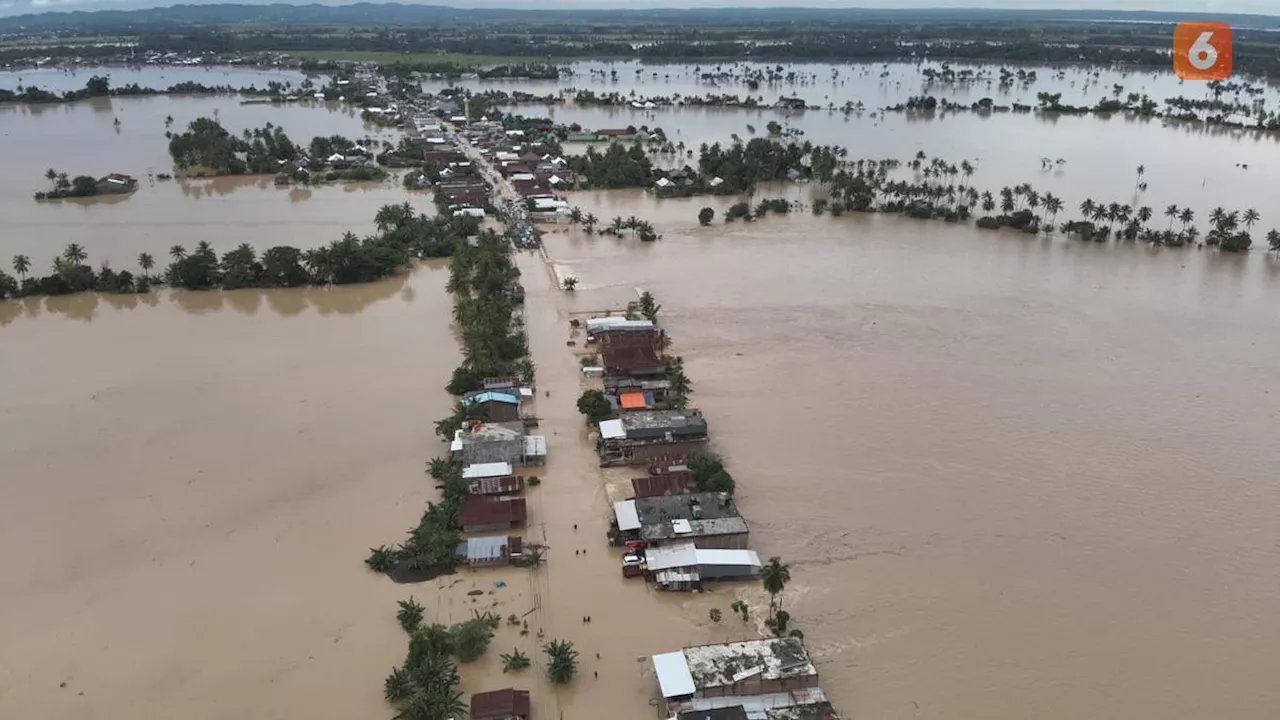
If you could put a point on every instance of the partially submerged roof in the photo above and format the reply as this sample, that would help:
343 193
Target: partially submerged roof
686 529
483 470
489 549
674 678
683 555
616 322
676 483
625 512
535 446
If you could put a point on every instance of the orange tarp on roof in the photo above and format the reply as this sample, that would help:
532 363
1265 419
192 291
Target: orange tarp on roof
632 400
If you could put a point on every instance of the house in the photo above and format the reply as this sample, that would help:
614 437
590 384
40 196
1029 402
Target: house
793 174
584 136
506 704
502 485
598 325
637 436
790 103
773 673
708 520
490 551
116 184
664 183
683 566
660 484
498 443
614 133
498 406
732 712
632 360
632 400
630 335
715 182
479 513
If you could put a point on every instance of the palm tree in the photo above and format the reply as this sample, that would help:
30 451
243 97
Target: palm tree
1171 212
562 661
617 224
1216 215
177 252
775 576
575 215
1087 207
75 254
569 283
1273 240
988 202
21 264
1052 204
1186 216
398 686
649 307
589 223
51 175
1144 215
392 216
1251 216
1142 169
146 262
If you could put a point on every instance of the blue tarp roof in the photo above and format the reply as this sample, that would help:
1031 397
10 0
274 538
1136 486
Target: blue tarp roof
490 396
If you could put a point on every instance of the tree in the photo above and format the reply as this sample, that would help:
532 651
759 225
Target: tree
1186 217
649 307
1171 212
715 615
52 176
398 686
75 254
391 217
706 215
774 576
146 262
470 639
21 264
740 608
562 661
409 615
1251 216
1273 240
177 252
515 661
595 406
569 283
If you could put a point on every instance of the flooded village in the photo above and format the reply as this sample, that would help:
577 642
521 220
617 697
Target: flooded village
914 467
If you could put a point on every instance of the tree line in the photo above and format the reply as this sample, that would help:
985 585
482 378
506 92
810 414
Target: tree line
402 236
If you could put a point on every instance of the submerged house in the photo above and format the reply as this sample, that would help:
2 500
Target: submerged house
770 678
500 485
637 436
632 361
480 513
490 551
683 566
707 520
498 442
506 704
116 184
498 406
662 484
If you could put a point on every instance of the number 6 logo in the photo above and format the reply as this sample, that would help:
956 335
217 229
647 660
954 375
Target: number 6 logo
1202 50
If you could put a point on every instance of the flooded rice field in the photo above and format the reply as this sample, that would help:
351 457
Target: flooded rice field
1012 475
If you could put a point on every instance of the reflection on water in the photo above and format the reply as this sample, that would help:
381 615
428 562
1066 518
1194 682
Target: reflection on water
288 302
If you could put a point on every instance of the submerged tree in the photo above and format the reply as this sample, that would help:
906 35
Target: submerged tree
774 576
562 661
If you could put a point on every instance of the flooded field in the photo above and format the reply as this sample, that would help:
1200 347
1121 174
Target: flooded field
1012 475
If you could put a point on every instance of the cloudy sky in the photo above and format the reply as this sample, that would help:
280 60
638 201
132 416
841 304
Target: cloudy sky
1269 7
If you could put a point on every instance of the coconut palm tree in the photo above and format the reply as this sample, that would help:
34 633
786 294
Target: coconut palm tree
177 252
775 576
21 264
1171 212
569 283
1251 216
1087 207
51 175
146 262
398 686
1052 205
1144 215
988 202
75 254
589 223
1142 169
1273 240
1186 216
1216 215
617 224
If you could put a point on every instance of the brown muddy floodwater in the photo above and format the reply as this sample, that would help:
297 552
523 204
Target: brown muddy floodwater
1014 477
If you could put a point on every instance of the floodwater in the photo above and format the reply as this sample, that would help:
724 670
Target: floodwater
82 139
1012 475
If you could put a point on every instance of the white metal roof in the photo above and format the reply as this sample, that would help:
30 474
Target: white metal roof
535 445
729 557
628 518
681 526
671 556
673 674
616 322
612 429
484 470
456 444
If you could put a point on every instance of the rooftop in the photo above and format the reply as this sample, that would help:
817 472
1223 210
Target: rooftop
770 659
489 549
663 419
735 712
693 529
500 704
478 510
483 470
665 508
676 483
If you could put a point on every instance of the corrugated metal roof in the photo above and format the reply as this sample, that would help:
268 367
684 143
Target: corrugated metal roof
482 470
483 548
670 556
490 396
616 322
728 557
673 674
535 446
628 518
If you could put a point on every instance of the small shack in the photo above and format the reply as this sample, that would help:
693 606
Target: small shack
505 704
498 406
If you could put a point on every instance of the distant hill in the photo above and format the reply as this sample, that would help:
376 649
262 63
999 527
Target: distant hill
367 14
